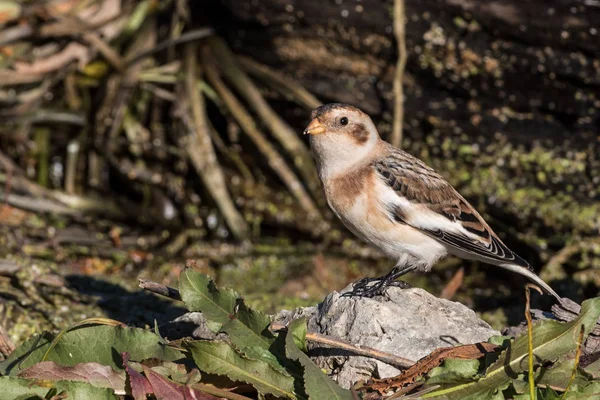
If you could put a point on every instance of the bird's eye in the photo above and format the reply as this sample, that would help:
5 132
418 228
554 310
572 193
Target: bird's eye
344 121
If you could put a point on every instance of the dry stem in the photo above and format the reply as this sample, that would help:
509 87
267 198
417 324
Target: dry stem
399 32
276 125
202 153
246 121
281 83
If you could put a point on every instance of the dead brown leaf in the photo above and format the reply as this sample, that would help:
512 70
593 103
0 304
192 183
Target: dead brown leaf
427 363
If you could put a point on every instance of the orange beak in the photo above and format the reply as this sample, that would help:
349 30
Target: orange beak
314 128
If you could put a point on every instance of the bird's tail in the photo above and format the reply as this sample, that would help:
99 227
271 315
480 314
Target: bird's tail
533 277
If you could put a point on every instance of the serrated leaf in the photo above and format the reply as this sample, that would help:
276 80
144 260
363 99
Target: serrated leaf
248 329
97 343
551 339
93 373
221 358
13 388
316 383
138 384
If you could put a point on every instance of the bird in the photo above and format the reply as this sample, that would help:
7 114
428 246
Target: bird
395 202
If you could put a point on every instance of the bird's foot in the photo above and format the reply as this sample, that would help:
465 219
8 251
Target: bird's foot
371 287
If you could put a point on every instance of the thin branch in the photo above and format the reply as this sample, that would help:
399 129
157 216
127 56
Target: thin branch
396 361
39 205
399 33
106 50
279 82
162 290
186 37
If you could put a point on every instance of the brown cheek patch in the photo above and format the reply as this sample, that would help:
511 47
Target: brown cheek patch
359 133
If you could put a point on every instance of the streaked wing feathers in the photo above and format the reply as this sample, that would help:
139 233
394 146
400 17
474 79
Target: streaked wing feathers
411 179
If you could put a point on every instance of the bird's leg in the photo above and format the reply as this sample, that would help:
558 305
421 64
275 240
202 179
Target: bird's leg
364 288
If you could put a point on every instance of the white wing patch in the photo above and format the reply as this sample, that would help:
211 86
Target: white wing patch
417 215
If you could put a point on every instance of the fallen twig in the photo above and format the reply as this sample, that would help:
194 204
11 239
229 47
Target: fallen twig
162 290
396 361
104 48
184 38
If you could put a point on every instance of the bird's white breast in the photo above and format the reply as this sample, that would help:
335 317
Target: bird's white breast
364 203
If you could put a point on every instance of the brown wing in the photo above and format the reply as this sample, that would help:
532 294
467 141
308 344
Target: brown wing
411 179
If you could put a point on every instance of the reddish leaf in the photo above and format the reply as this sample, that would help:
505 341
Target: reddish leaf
93 373
169 390
427 363
138 383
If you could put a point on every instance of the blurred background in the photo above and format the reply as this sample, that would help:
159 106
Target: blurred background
138 137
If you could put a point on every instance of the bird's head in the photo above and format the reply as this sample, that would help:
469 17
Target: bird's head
341 136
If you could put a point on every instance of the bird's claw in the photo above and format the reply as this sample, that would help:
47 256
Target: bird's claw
364 288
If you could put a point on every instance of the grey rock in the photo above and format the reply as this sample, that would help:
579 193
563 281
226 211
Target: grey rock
410 323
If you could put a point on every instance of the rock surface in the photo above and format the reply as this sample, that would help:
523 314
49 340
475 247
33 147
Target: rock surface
410 323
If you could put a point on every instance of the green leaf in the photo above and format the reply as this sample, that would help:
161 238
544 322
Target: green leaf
551 339
97 343
591 392
317 384
454 371
542 394
221 358
248 329
500 340
558 375
593 369
13 388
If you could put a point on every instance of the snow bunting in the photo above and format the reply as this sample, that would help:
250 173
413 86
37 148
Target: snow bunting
394 201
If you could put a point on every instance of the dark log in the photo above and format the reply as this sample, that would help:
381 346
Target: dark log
467 59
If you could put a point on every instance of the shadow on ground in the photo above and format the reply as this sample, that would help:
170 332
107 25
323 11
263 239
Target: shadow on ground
134 308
